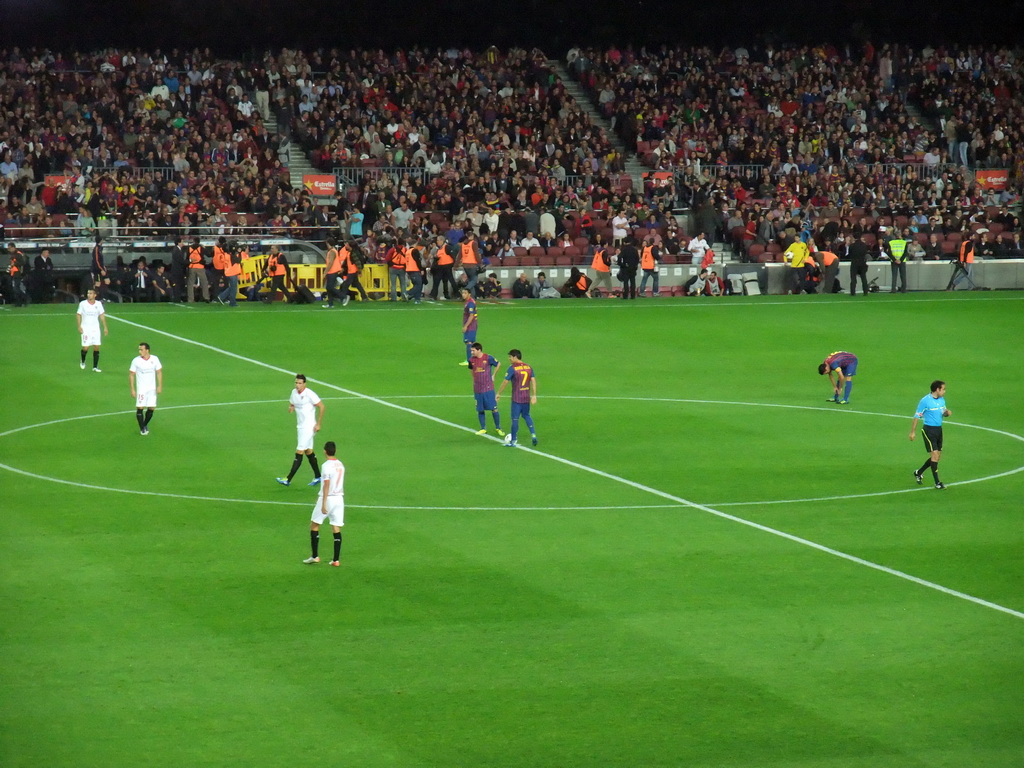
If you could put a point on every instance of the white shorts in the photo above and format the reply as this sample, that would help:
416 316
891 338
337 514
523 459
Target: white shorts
91 338
335 511
146 399
305 439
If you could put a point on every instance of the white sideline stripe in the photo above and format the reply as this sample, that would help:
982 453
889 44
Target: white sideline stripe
675 302
609 476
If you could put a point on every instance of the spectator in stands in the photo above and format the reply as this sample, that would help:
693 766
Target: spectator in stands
696 284
491 287
521 288
542 289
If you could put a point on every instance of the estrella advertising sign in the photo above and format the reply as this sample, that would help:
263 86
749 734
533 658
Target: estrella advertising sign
320 184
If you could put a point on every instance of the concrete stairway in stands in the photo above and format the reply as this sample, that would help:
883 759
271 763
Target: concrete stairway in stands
633 166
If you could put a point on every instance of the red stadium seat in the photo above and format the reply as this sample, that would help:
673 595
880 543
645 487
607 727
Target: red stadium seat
563 261
554 251
571 251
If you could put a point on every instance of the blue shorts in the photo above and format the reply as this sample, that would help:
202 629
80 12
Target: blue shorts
520 409
469 336
849 369
485 401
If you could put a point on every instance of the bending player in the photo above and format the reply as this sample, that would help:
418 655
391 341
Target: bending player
844 366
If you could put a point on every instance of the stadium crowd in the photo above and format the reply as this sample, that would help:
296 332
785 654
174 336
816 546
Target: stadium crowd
756 142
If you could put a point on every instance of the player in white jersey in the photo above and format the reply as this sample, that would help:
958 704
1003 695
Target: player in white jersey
146 378
89 316
330 505
304 403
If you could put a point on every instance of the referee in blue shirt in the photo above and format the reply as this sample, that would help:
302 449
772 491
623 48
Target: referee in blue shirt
930 410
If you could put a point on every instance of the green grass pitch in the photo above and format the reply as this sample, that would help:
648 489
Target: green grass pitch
702 564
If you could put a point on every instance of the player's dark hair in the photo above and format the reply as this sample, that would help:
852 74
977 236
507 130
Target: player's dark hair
936 384
477 345
330 448
821 369
144 344
516 354
300 376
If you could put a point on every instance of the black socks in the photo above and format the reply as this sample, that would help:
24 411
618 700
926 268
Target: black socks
313 463
295 466
337 546
314 542
934 467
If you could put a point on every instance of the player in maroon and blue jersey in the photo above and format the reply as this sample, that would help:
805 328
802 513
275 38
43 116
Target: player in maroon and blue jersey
480 365
844 365
468 323
524 393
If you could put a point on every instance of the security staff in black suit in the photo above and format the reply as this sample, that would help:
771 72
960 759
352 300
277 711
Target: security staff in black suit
629 261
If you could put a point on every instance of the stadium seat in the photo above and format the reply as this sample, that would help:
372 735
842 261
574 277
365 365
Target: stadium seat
520 252
755 252
563 261
510 261
571 251
582 243
536 251
528 261
554 251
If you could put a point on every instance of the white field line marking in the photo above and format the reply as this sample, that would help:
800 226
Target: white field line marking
137 492
615 478
564 305
755 502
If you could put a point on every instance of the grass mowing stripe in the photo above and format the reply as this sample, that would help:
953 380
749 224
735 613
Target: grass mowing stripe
600 473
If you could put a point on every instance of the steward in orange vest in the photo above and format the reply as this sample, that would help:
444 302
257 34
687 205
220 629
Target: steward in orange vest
197 273
14 287
277 271
649 258
602 266
233 257
470 259
351 270
442 271
414 272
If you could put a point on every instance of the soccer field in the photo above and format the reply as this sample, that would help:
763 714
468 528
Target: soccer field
703 563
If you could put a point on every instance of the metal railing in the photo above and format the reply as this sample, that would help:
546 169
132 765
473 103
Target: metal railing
902 170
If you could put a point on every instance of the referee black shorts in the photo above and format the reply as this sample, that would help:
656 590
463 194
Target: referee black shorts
932 438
